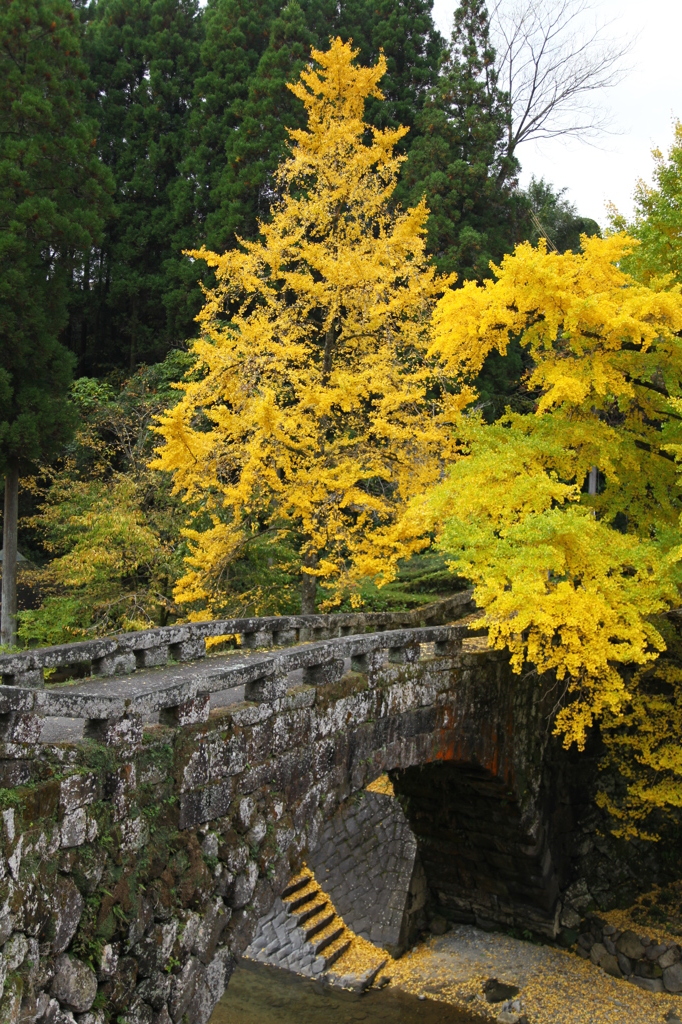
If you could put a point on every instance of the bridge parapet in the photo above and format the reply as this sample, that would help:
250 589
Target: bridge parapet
144 649
113 710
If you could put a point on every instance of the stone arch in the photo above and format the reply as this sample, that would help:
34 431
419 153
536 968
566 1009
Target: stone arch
486 863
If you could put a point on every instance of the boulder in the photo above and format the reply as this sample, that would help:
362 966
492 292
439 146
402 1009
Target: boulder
609 964
74 984
625 964
672 978
630 945
597 952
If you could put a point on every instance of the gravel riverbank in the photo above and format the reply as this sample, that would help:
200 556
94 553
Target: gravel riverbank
554 987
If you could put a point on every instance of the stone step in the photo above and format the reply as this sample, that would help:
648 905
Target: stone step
307 912
295 884
317 924
326 940
335 951
300 901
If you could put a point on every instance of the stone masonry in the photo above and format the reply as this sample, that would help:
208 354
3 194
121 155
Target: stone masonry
366 859
136 862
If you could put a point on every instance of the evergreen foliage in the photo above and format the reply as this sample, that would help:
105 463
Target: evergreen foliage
559 219
458 160
53 194
255 108
138 296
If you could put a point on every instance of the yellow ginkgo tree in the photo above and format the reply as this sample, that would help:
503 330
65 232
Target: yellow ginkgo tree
313 412
566 519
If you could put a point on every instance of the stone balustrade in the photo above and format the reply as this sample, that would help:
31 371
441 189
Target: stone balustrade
130 652
114 709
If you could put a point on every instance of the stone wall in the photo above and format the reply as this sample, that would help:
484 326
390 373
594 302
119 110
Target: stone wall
649 963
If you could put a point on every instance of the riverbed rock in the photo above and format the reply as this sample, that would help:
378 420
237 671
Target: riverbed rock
597 952
497 991
625 964
609 964
649 984
671 957
672 978
629 944
74 984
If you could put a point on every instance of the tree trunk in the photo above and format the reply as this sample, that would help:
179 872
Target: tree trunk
308 587
8 629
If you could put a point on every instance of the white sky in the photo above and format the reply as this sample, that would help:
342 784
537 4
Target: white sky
644 106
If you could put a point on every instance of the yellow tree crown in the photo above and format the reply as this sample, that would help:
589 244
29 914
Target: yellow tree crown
313 410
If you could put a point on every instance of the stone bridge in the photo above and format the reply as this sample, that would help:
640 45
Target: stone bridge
156 800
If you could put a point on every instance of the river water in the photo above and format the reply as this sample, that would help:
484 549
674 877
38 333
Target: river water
259 994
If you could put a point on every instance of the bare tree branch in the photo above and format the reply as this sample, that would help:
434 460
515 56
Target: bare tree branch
554 60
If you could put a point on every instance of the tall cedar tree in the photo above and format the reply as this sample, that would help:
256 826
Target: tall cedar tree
235 36
458 157
138 300
247 106
52 194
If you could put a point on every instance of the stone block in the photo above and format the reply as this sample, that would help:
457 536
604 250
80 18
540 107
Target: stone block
32 679
124 732
77 791
672 978
134 833
285 637
266 689
155 990
150 657
74 984
119 663
190 712
14 951
14 773
182 988
243 887
323 675
210 930
189 650
65 909
257 638
136 1012
153 951
74 828
407 654
20 727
